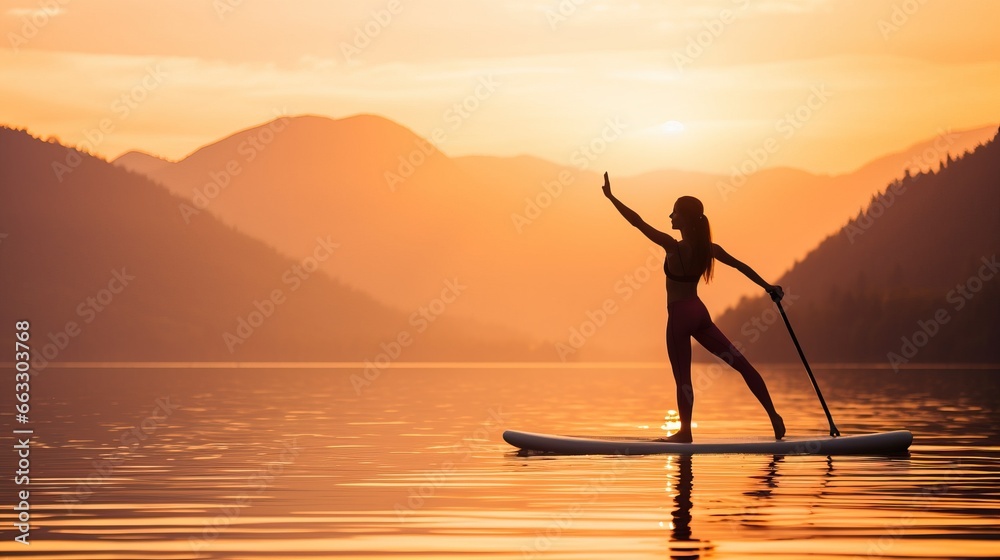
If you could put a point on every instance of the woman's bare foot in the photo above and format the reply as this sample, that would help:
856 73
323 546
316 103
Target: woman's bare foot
779 427
679 437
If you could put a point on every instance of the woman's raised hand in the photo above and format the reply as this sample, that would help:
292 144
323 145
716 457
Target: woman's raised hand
607 185
776 292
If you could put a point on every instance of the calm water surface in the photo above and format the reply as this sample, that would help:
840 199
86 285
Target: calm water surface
301 463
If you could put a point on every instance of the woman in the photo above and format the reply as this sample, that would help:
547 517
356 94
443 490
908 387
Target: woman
688 260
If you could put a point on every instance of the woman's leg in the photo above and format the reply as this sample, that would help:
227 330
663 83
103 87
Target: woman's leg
716 342
679 352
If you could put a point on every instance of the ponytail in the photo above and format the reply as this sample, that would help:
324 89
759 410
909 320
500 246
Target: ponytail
703 246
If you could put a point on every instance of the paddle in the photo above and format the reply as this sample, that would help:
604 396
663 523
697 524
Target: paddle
834 432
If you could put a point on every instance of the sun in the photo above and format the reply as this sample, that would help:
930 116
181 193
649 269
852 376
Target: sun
672 127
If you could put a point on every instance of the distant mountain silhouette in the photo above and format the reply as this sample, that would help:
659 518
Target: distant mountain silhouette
540 248
142 163
928 155
911 278
104 266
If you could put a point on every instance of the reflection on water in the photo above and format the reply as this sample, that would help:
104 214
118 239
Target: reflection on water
682 545
287 463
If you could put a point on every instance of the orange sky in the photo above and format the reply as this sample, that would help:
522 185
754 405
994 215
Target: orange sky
646 84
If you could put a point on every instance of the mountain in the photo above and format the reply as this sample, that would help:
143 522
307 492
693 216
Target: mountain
292 179
541 249
914 277
406 216
142 163
928 155
104 265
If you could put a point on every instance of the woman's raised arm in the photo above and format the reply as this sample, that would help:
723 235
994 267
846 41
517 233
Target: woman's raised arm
662 239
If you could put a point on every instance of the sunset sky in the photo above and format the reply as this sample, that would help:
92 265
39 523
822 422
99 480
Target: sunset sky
691 85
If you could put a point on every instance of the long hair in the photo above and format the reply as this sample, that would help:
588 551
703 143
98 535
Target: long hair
694 211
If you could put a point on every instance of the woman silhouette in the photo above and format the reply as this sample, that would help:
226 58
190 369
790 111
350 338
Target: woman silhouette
686 262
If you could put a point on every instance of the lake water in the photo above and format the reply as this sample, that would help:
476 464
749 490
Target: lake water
300 463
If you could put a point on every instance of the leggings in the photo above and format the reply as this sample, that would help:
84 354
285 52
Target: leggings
689 318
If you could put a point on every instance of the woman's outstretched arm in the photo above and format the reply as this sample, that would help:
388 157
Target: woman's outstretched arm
656 236
722 256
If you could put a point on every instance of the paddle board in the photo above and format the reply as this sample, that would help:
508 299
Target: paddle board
878 443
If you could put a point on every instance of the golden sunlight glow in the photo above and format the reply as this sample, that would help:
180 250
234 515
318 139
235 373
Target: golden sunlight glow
672 127
550 85
672 422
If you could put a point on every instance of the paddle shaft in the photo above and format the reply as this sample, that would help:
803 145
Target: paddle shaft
833 428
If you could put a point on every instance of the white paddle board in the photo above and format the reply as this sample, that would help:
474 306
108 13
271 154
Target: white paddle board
878 443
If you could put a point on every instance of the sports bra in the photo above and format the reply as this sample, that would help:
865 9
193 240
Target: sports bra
682 277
